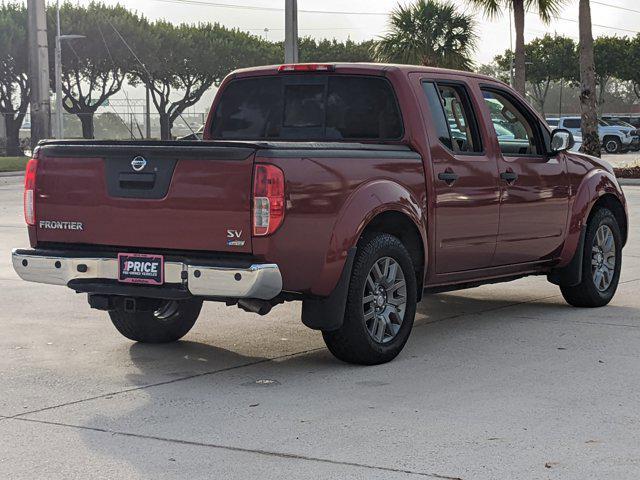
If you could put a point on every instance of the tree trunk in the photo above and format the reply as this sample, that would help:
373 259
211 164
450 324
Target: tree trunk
165 126
520 60
13 136
86 119
590 138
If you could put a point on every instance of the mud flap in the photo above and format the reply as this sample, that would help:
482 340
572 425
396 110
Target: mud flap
327 313
571 274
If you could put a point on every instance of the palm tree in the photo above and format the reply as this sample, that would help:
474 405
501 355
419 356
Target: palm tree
590 137
547 9
428 33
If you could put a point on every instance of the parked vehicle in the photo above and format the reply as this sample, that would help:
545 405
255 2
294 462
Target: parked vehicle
197 135
614 139
635 132
633 120
340 186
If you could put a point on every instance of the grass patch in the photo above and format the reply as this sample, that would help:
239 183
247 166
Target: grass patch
13 164
628 171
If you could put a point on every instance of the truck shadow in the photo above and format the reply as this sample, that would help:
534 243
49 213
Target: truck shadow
195 392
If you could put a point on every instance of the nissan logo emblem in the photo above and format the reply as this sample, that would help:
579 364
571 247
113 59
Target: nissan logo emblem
138 164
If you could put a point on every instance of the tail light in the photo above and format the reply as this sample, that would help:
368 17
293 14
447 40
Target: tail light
30 192
268 199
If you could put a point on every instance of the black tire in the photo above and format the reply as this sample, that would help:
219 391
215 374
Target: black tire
586 293
352 342
160 322
612 145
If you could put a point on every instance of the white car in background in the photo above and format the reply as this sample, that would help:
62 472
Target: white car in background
614 138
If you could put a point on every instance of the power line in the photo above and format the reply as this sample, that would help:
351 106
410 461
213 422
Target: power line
335 12
601 26
615 6
268 9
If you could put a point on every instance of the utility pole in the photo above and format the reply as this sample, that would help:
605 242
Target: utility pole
291 31
39 72
58 68
147 115
59 131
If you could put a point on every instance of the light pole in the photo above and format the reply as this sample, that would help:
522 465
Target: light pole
291 31
38 71
58 68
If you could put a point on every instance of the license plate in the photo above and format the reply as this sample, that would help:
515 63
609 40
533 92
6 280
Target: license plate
141 268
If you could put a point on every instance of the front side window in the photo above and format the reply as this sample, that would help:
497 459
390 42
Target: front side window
516 133
452 116
308 107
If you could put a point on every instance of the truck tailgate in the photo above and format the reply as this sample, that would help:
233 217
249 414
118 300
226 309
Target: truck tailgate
165 196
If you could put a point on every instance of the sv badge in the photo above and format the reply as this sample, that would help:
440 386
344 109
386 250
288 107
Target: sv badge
234 238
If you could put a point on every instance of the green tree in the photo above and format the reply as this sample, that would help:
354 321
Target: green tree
546 9
429 33
551 58
333 51
631 72
93 68
180 63
14 83
612 56
495 69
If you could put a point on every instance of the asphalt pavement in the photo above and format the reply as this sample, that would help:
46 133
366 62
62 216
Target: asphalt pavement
504 381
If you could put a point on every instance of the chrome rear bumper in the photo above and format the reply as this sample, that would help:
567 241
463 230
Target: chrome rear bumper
261 281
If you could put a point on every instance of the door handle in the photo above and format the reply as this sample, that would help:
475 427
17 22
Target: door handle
509 177
448 177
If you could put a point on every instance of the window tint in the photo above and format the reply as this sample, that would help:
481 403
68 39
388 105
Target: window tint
315 107
571 123
516 133
462 123
552 122
303 106
437 113
453 117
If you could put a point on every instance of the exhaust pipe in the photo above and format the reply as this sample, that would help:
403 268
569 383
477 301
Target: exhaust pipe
253 305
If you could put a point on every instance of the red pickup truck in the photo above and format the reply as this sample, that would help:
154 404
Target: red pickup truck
354 188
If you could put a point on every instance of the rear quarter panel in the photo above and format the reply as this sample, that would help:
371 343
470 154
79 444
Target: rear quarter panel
330 200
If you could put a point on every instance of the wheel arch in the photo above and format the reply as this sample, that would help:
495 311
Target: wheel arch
598 189
383 199
404 228
615 206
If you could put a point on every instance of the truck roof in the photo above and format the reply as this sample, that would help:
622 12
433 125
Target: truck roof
362 68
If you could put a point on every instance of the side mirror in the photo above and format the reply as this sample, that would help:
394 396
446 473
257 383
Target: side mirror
561 140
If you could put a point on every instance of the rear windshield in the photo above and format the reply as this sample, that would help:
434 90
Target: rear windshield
308 107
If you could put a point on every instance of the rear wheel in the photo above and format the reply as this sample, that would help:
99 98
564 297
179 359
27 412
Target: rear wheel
381 304
160 321
601 263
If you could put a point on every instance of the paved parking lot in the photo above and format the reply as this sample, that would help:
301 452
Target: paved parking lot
623 159
499 382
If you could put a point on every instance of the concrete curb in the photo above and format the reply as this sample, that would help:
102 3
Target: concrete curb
629 181
11 174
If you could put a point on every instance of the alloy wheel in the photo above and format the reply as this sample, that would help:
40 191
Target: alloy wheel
385 300
603 258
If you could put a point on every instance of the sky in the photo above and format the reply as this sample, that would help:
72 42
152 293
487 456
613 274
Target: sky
368 19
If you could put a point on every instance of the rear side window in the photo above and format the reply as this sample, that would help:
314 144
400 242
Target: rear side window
453 117
571 123
300 107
